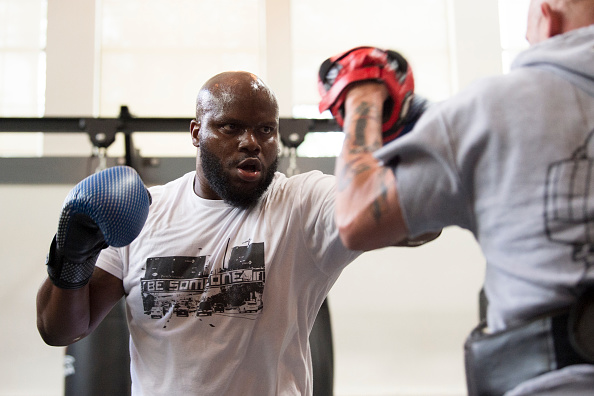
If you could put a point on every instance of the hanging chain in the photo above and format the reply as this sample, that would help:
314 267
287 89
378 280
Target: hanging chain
292 169
101 153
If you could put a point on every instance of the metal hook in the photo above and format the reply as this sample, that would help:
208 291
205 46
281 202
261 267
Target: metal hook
292 169
101 153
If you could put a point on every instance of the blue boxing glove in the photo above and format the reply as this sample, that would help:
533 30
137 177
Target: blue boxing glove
108 208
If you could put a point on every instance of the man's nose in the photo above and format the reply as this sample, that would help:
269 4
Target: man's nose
248 140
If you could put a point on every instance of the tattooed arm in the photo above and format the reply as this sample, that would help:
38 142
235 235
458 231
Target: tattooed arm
368 211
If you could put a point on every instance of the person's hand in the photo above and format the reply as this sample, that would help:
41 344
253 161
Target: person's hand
339 74
108 208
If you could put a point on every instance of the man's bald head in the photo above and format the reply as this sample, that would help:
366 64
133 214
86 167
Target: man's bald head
222 89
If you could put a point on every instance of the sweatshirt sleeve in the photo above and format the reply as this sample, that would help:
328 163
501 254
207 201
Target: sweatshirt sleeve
430 187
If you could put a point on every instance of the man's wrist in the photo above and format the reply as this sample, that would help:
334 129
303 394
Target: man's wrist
65 274
370 91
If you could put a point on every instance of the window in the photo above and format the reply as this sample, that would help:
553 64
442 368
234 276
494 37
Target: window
22 57
22 71
324 28
513 15
156 54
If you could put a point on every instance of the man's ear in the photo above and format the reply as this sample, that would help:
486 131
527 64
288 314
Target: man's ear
552 20
194 131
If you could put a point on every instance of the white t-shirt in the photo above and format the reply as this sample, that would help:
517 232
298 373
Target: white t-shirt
221 300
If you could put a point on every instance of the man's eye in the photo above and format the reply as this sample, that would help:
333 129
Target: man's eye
230 127
267 130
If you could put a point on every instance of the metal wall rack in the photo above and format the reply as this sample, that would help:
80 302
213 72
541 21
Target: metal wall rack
156 170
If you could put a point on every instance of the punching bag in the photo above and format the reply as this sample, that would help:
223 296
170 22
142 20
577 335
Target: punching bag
322 353
99 364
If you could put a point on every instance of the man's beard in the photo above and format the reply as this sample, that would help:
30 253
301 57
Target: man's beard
220 181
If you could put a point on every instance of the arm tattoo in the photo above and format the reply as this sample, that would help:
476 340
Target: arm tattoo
349 171
381 202
359 144
363 112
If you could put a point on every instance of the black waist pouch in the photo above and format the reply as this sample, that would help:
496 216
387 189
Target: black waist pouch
498 362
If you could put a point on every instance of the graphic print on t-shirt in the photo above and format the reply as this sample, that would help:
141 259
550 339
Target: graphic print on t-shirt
569 203
184 286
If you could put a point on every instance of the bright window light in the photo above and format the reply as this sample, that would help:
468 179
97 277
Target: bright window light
23 28
513 15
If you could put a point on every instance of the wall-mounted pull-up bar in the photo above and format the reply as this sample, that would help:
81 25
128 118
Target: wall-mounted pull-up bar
102 133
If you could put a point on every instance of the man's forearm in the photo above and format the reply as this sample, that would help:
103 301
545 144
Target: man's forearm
368 212
63 316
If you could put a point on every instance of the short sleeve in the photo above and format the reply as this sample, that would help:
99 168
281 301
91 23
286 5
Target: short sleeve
110 261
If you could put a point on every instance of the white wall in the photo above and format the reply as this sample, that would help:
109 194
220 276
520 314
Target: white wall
404 340
29 216
401 315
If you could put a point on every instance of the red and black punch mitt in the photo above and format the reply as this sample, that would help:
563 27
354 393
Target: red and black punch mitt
362 64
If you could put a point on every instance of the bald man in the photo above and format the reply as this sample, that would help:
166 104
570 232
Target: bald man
225 280
510 159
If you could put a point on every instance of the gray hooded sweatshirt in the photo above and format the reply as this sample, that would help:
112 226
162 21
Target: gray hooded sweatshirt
511 159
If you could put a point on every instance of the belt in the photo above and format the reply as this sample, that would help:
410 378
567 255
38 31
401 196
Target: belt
497 362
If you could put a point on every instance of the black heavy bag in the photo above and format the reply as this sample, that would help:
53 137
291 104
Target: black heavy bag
99 364
322 353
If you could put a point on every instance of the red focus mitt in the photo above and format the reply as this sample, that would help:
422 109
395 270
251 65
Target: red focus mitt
363 64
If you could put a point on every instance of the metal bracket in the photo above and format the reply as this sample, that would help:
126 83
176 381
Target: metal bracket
101 131
293 130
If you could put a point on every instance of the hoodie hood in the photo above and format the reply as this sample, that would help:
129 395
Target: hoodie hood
569 55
